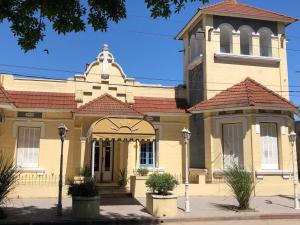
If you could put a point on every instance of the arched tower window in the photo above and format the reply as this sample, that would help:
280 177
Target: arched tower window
246 40
192 47
226 38
265 41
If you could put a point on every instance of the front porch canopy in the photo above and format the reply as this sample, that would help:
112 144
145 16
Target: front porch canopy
122 129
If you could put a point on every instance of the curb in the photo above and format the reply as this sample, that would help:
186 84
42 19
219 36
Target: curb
235 218
133 221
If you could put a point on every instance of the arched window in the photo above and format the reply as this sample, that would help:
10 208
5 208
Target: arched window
199 42
226 38
246 40
192 47
265 41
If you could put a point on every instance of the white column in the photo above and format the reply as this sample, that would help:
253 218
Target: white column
93 158
153 155
82 151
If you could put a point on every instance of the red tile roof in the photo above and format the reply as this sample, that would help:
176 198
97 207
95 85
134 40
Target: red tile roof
161 105
108 105
43 100
240 9
247 93
4 96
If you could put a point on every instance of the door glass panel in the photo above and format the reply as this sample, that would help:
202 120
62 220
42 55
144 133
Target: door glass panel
97 156
107 156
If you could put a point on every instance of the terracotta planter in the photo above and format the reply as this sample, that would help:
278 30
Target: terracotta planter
85 207
160 205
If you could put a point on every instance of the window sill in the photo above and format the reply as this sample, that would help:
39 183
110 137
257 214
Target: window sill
197 61
32 170
286 174
231 57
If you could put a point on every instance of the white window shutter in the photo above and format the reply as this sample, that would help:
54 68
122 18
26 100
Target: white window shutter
269 145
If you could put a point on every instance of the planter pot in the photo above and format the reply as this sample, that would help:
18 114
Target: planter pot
161 206
85 207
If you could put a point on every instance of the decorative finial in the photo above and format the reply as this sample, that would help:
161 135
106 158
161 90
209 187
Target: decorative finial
105 47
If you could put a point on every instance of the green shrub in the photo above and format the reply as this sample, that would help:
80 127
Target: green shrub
161 184
123 180
87 188
241 184
84 172
142 171
8 179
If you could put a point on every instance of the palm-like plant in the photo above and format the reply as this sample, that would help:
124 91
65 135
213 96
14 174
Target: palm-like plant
241 184
8 179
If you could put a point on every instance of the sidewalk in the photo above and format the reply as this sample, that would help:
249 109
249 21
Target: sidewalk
128 209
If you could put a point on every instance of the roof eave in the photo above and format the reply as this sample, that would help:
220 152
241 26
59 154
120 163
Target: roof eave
207 12
181 33
194 111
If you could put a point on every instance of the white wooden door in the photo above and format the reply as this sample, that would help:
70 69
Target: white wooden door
233 144
106 161
269 145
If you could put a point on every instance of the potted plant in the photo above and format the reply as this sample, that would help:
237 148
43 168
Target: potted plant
85 198
82 173
142 171
123 180
160 201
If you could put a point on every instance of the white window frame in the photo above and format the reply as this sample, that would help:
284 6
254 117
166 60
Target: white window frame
33 151
274 148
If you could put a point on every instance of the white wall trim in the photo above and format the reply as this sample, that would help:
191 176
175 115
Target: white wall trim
230 119
18 124
271 119
286 174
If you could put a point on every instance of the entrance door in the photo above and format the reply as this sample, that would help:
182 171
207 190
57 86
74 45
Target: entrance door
106 161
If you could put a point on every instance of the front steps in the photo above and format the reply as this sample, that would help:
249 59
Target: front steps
110 190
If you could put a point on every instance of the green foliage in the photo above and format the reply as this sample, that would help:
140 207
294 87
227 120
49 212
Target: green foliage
8 178
142 171
161 184
241 184
87 188
123 180
28 18
84 172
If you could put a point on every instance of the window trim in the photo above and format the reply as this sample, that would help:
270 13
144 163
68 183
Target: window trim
29 168
154 159
269 167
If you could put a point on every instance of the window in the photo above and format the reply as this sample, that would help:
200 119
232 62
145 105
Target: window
265 42
192 48
269 145
146 155
246 40
233 144
28 147
226 39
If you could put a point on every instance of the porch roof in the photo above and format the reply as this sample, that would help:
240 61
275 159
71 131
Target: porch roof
246 94
107 105
122 129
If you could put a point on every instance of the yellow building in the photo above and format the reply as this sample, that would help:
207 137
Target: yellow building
234 100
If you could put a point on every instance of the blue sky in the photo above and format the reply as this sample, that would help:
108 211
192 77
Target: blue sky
140 52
